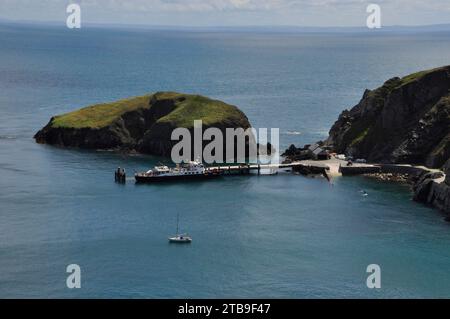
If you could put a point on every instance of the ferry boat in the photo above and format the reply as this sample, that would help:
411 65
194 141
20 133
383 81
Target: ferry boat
190 170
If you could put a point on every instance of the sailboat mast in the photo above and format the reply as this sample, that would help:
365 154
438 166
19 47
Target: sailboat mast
178 219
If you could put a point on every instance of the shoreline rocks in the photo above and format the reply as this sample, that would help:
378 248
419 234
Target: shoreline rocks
391 177
434 189
294 153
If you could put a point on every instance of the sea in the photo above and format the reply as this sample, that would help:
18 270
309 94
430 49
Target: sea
278 236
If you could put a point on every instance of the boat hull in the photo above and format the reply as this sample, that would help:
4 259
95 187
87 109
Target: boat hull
180 241
142 178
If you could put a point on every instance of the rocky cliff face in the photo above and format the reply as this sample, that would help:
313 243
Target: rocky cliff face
434 189
143 124
407 120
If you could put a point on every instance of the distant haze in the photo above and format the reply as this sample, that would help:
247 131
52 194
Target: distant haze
231 12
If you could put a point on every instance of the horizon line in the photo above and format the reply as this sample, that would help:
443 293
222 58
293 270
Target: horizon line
244 26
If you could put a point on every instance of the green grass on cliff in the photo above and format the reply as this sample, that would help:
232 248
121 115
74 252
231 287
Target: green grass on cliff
196 107
418 75
100 115
361 134
187 109
413 77
380 93
360 137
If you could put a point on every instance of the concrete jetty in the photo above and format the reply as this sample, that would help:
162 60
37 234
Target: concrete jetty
328 168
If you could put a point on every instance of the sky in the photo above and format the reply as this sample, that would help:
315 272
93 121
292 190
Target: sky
316 13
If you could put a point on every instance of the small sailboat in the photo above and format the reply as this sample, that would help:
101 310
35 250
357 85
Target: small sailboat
364 193
180 238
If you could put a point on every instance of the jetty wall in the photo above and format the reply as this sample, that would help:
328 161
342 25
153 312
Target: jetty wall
359 170
402 169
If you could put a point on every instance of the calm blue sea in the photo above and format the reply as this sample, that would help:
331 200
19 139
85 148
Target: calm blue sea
266 236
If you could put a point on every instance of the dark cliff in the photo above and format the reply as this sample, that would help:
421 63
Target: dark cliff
433 188
407 120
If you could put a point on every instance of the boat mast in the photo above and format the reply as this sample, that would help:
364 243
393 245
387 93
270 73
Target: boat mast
178 219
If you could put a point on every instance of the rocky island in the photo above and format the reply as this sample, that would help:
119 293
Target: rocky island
141 124
405 121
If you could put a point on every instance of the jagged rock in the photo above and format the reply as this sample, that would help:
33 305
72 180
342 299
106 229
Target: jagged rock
422 188
447 172
407 120
291 151
430 189
294 153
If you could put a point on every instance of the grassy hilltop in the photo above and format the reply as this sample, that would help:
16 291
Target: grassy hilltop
143 124
185 109
100 115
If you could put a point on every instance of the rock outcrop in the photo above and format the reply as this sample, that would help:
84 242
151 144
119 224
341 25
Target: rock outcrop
407 120
143 124
434 189
294 153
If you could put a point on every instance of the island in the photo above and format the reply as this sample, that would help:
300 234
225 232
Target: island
406 123
142 124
